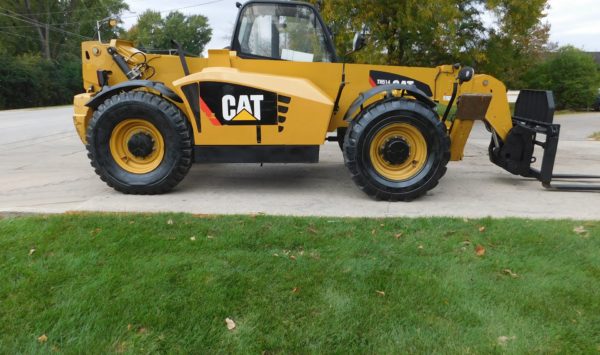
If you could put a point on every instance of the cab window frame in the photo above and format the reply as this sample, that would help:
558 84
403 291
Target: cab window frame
236 45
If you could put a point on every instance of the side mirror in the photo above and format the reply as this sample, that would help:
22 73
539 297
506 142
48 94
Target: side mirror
359 41
465 74
109 21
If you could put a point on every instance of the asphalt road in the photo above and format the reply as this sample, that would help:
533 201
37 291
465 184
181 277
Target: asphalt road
44 169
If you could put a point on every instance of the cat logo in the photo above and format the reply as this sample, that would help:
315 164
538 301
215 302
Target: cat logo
227 104
247 107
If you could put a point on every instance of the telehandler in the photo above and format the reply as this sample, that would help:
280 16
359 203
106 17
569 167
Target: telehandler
275 94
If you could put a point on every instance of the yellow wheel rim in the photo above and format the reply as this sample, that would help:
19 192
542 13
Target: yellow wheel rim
415 159
130 162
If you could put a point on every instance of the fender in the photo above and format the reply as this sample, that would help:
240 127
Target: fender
108 91
366 95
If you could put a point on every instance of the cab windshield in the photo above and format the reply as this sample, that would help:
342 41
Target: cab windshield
286 32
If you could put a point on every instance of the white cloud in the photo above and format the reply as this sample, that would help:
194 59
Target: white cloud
575 22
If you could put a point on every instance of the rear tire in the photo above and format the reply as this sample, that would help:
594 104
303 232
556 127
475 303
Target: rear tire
396 150
139 143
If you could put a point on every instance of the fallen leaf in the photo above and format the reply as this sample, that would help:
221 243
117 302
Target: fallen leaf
381 293
193 238
502 340
510 273
170 221
210 237
131 222
580 230
275 254
480 250
465 220
481 229
467 242
142 330
203 215
373 232
382 225
312 230
230 323
398 235
292 257
31 251
42 339
129 326
295 290
420 246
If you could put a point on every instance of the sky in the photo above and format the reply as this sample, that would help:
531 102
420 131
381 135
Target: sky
575 22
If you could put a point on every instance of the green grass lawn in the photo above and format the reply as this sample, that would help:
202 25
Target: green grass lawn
166 283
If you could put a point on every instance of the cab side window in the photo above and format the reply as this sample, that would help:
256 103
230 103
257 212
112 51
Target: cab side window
286 32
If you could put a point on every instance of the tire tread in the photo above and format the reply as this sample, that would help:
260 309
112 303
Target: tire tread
182 129
358 127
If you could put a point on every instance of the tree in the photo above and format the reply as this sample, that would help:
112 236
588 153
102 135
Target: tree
518 40
429 33
52 28
571 74
152 31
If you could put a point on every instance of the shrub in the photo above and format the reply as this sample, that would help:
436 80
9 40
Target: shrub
30 81
571 74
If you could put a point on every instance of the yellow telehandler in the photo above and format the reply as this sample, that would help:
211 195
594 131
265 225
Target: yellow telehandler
274 96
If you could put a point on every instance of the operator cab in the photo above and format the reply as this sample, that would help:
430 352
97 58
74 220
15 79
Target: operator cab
282 30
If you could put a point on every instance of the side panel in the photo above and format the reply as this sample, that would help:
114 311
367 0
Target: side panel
243 108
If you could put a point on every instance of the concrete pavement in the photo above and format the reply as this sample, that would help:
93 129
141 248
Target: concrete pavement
44 169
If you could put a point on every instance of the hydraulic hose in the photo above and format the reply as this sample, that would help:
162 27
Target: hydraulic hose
451 102
122 64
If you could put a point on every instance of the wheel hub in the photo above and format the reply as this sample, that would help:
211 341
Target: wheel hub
141 144
396 151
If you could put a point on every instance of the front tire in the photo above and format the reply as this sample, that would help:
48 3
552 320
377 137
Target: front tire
396 150
139 143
